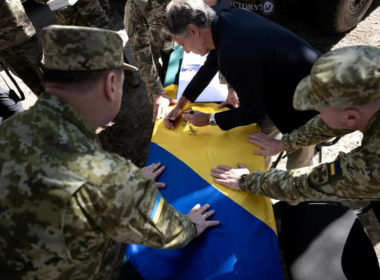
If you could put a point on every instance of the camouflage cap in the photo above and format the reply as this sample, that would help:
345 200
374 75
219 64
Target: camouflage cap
345 77
75 48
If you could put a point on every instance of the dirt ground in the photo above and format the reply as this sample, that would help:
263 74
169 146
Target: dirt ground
129 134
367 32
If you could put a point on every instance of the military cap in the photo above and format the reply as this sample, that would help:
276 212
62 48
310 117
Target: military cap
342 78
76 48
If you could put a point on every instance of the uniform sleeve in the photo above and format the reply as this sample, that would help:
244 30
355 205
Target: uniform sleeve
354 175
244 115
128 208
140 42
314 131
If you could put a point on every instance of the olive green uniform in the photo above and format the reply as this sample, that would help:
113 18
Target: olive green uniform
144 21
65 202
19 46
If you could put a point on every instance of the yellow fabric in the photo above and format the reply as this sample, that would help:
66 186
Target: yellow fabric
203 148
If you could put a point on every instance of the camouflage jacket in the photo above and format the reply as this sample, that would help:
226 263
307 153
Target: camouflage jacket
144 21
16 28
353 175
64 200
84 13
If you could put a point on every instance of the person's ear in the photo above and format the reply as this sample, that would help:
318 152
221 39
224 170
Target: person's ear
110 86
192 29
351 118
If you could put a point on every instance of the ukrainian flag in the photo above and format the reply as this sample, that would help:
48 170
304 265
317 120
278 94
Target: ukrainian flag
244 245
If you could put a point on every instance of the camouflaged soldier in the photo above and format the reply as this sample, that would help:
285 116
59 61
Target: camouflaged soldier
20 50
145 22
344 87
65 203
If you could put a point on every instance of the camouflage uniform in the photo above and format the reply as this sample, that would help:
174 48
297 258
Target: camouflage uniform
344 78
19 46
144 21
83 13
65 203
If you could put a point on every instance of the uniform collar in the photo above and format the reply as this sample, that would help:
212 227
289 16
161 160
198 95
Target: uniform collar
373 123
59 107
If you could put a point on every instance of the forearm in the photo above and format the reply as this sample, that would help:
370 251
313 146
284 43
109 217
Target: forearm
160 225
236 117
277 184
128 208
314 131
181 103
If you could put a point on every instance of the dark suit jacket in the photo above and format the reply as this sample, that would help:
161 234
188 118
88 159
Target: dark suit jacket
264 62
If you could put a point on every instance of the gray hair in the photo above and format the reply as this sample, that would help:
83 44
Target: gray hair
180 13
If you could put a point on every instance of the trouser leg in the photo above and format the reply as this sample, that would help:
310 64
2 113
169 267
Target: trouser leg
299 158
268 127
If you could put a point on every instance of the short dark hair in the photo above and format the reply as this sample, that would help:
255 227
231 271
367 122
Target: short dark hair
72 76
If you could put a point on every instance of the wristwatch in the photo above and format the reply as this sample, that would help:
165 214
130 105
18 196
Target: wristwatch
212 120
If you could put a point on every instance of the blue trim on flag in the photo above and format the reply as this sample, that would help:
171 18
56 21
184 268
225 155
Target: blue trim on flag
155 207
241 247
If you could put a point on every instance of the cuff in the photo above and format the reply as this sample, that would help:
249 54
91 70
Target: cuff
249 183
288 144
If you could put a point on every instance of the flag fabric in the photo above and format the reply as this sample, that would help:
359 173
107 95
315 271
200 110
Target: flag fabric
244 245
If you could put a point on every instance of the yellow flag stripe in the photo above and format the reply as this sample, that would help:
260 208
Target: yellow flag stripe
214 146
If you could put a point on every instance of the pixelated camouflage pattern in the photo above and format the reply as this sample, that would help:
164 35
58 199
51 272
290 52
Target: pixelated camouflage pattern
145 22
65 202
84 13
315 131
76 48
24 60
16 28
356 175
342 78
20 50
88 13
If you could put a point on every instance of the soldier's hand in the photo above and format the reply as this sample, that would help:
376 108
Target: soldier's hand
268 145
232 99
153 171
200 215
228 176
160 104
196 118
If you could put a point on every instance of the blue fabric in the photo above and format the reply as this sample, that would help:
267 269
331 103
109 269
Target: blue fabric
241 247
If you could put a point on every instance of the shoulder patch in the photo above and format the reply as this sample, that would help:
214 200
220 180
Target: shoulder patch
325 173
157 208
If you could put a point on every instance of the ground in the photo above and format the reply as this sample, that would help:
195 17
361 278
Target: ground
129 134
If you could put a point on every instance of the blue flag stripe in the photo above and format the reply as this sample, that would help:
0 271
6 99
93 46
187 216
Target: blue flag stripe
242 247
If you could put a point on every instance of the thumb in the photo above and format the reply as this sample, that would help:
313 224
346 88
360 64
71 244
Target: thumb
160 185
223 104
172 101
242 165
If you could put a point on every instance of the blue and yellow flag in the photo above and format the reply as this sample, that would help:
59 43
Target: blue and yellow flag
244 245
